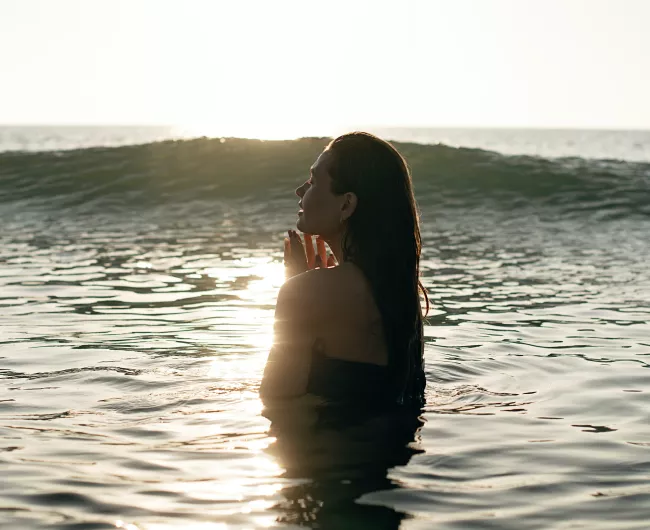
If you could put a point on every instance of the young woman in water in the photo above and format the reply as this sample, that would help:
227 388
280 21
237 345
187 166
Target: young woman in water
351 330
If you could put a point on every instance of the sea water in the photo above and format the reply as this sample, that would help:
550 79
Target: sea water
137 291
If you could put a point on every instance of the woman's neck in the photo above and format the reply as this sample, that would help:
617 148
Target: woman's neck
334 242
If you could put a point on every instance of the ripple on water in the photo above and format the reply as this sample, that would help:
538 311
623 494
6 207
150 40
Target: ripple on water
131 352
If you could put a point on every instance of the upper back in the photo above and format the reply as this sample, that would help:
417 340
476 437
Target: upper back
349 324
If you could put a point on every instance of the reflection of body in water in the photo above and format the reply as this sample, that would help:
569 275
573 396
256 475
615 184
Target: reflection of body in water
344 452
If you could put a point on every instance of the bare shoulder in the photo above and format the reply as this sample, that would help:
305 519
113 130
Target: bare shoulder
311 286
323 290
331 292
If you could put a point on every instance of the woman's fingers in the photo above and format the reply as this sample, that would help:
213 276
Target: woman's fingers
309 248
322 251
288 266
287 250
297 248
297 261
301 258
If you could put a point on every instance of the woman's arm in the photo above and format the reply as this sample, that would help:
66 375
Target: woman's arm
287 368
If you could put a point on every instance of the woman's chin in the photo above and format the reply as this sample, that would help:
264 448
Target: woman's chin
305 228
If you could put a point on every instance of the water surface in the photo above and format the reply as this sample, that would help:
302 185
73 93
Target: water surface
133 337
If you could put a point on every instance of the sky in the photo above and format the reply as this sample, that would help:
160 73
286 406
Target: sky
241 66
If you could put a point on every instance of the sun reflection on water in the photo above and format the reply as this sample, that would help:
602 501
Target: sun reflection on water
262 279
265 276
255 281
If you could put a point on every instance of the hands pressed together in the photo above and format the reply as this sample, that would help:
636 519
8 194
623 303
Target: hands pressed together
299 258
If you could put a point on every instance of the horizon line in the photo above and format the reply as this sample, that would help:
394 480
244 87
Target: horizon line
368 126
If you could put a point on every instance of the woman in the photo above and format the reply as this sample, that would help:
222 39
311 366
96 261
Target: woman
352 331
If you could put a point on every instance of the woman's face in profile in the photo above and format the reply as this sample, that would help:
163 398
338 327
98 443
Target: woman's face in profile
320 209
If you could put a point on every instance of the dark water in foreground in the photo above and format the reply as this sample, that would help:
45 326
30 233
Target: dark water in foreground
137 303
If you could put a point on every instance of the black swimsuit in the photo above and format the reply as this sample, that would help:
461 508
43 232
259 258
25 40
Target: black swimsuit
339 380
343 381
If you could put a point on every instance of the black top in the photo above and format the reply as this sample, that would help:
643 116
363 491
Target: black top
342 381
339 380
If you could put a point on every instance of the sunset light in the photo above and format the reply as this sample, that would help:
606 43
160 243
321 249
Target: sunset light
355 264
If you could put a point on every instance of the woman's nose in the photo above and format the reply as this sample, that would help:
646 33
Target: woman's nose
300 191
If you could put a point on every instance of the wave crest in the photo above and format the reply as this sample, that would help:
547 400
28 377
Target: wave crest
185 170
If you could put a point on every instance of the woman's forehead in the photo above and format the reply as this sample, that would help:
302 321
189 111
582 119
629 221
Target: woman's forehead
322 163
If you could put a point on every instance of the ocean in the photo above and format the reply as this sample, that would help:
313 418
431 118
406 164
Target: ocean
138 274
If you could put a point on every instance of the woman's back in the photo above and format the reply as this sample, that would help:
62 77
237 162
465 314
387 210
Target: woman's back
349 360
343 354
352 329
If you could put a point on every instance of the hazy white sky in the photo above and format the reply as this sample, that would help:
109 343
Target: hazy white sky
308 66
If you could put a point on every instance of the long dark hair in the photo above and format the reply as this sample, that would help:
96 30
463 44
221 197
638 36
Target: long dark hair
382 237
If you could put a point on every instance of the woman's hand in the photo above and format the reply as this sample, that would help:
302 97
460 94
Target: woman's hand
297 261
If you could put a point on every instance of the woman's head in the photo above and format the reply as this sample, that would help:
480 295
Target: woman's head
323 212
357 168
361 192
